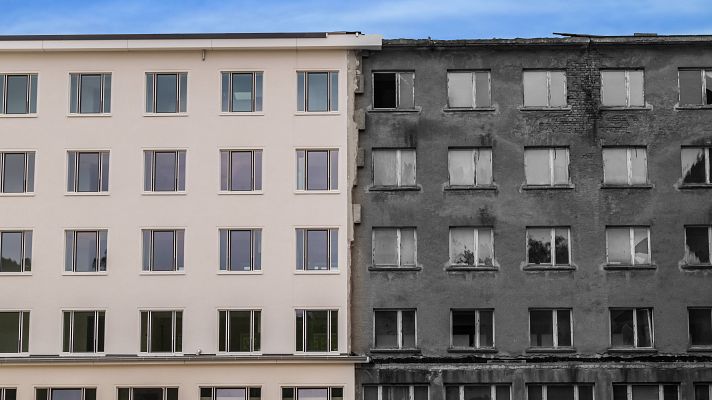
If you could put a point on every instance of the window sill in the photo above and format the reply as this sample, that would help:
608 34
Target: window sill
569 186
317 113
80 355
161 273
393 268
395 110
456 188
549 350
240 192
80 194
26 194
242 114
166 193
165 115
687 107
394 189
700 349
100 273
540 267
471 350
28 273
628 267
695 186
622 108
316 353
34 115
238 353
455 267
308 192
258 272
541 108
632 350
396 351
89 115
468 110
159 354
696 267
636 186
317 272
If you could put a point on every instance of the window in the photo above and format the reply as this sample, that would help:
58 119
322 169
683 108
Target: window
241 91
695 86
240 249
148 393
698 243
17 172
15 251
166 92
88 171
628 245
14 331
83 332
230 393
90 93
703 391
551 328
544 89
64 393
318 91
312 393
700 326
472 329
468 89
394 247
631 327
394 329
625 166
645 392
163 249
472 247
18 93
477 392
393 90
239 330
85 251
8 393
394 167
560 392
240 170
696 165
317 330
622 88
161 331
164 171
317 169
549 246
547 166
317 249
470 167
397 392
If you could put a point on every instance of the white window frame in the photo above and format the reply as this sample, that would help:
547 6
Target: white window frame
629 164
20 329
96 332
3 390
154 96
548 88
227 311
472 73
331 257
229 166
228 251
631 244
100 171
398 89
709 240
176 267
627 86
476 244
554 327
629 388
27 175
398 247
477 327
230 99
78 94
31 89
51 389
177 174
303 102
98 233
305 169
635 327
552 157
214 389
552 230
25 249
131 390
303 328
411 390
295 392
399 167
174 331
399 326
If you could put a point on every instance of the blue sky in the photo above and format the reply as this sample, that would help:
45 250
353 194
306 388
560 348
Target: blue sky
448 19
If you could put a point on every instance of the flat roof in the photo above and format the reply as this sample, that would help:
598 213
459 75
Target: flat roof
569 39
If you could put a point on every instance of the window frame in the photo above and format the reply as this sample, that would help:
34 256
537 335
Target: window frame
180 174
255 329
399 327
709 244
626 72
103 178
552 170
295 391
131 389
154 97
554 329
703 86
476 247
305 333
552 231
303 100
23 338
255 267
692 346
398 90
303 184
707 385
576 386
398 230
174 332
76 96
256 107
473 73
4 389
50 389
26 250
178 262
475 153
31 94
70 350
302 257
548 89
28 173
661 386
411 389
98 235
399 168
635 346
629 165
478 331
631 244
226 161
708 167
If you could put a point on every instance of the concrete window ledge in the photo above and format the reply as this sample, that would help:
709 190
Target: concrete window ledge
686 186
631 350
394 189
551 350
455 268
625 267
539 267
548 187
619 108
395 110
395 351
641 186
694 267
555 109
469 110
392 268
468 350
700 349
688 107
486 188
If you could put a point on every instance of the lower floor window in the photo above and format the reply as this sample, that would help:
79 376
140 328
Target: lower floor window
317 330
477 392
239 330
312 393
700 326
632 327
230 393
560 392
83 332
645 392
396 392
65 394
147 393
703 391
14 331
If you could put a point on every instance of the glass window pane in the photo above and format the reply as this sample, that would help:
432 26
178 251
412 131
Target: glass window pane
166 93
371 393
557 89
646 392
225 91
615 166
697 245
451 393
257 166
670 392
230 393
66 394
11 252
90 94
240 250
85 257
636 87
560 392
539 246
485 247
486 328
641 243
317 331
462 246
477 393
83 331
165 171
88 172
460 90
13 179
241 174
645 328
384 90
16 92
317 91
407 168
385 168
161 331
482 89
104 171
317 170
406 93
385 247
386 329
9 332
702 392
407 247
461 166
622 328
535 90
618 245
483 164
239 331
463 328
690 87
536 163
28 250
2 94
317 249
638 165
613 90
561 166
585 392
312 394
147 394
620 392
73 92
242 92
561 244
334 91
563 325
333 169
301 95
708 83
541 328
163 251
408 329
693 165
534 392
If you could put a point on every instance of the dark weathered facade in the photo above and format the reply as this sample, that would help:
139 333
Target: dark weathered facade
588 285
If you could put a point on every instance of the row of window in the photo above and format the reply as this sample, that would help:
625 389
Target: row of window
86 251
472 89
171 393
167 92
165 171
239 331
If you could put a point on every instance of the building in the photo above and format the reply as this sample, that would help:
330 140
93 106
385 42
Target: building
174 219
535 219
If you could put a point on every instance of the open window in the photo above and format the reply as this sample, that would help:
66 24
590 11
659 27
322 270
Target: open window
393 90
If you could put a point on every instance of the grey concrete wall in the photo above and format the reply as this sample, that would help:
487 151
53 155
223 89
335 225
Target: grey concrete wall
589 290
